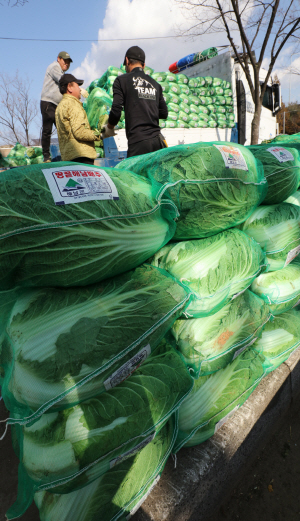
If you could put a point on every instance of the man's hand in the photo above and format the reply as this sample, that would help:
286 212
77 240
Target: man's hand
84 93
108 132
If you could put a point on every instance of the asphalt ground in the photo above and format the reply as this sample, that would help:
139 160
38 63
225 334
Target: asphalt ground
270 487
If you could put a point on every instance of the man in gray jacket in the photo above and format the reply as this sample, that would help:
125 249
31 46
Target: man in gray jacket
51 97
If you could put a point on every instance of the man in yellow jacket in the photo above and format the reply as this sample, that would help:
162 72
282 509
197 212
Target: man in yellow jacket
75 137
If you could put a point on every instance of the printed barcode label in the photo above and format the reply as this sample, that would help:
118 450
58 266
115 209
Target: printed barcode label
128 368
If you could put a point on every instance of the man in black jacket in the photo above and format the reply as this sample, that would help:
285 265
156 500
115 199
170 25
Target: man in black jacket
143 103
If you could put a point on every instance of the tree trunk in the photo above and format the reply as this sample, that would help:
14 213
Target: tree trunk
256 123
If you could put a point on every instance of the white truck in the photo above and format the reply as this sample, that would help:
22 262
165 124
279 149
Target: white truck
225 67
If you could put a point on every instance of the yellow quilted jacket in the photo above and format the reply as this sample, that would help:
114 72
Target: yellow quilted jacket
76 139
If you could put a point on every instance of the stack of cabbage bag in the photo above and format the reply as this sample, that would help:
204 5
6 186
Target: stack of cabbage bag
87 379
215 185
192 102
21 156
275 226
198 102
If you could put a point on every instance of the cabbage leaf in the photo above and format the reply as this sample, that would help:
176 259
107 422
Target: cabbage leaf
217 395
214 269
277 229
208 344
279 289
120 491
279 339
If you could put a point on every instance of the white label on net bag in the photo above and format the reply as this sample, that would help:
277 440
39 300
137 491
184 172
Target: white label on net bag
78 184
232 156
282 154
128 368
291 255
132 452
137 506
224 420
239 351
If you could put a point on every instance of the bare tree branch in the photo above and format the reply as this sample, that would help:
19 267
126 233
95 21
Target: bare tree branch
17 109
269 24
13 3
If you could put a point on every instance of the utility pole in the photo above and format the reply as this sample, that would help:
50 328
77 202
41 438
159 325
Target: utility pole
283 123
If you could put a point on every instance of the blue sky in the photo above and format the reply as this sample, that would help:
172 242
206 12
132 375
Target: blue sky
106 19
55 19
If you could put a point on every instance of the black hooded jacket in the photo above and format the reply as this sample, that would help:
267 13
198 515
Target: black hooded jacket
143 102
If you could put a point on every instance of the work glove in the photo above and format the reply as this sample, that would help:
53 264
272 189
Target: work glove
108 132
84 93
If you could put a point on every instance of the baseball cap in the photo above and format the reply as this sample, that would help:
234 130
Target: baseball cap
135 53
69 78
65 56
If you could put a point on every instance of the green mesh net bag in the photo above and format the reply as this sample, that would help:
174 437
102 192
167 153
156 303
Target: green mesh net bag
173 116
279 289
215 269
62 346
120 493
277 229
64 451
184 88
280 339
183 98
98 104
159 76
182 124
216 397
208 344
68 224
182 79
215 185
281 169
284 138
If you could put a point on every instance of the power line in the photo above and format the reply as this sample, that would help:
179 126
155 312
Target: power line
108 40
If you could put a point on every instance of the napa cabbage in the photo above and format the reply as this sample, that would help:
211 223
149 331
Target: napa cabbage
66 450
215 185
281 169
279 339
62 346
46 244
214 269
120 492
208 344
214 397
277 229
279 289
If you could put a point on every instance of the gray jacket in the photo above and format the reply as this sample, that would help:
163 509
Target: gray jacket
50 91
